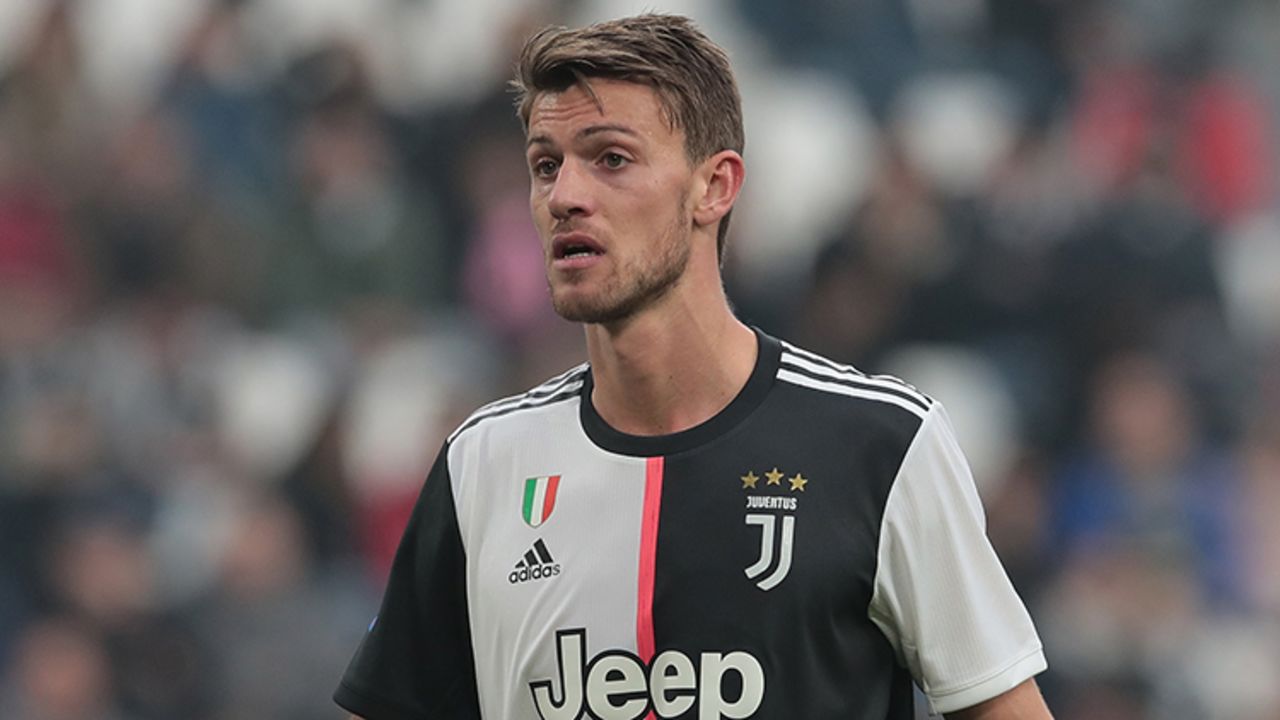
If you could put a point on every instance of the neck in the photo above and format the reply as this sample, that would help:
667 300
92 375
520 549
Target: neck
670 367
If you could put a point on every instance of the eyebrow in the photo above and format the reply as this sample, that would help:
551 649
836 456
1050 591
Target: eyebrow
585 133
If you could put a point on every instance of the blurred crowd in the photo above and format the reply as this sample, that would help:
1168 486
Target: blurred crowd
258 257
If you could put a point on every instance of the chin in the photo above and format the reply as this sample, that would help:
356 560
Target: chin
584 312
590 309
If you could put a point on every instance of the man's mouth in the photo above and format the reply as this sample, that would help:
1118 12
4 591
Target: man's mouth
573 251
574 245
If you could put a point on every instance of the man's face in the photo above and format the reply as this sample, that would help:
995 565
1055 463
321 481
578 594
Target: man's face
610 198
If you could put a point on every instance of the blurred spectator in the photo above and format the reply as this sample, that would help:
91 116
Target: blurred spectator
217 86
350 234
1149 481
1259 506
281 625
1143 519
504 278
47 112
104 573
61 673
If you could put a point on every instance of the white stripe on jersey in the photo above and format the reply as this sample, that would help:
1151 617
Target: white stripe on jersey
548 387
539 499
841 389
799 357
594 536
568 381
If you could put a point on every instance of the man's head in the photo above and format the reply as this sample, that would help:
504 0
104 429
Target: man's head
689 73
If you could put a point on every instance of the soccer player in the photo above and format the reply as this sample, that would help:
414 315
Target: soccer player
703 521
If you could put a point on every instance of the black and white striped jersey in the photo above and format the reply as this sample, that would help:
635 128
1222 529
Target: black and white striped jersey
808 552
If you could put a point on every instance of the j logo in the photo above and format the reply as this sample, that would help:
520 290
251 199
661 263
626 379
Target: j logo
768 524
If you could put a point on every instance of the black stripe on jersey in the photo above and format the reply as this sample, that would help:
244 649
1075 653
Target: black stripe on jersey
851 377
542 551
567 393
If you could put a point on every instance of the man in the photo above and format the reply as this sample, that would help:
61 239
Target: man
702 522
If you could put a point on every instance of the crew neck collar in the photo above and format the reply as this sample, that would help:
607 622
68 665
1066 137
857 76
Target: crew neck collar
768 352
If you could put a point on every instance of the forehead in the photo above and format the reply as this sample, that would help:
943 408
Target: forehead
616 102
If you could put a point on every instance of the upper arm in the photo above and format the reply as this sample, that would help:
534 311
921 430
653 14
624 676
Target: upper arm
1021 703
941 596
416 658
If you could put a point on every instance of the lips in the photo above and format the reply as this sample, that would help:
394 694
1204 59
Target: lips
573 245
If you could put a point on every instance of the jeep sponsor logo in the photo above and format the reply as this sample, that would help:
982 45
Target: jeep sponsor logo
616 685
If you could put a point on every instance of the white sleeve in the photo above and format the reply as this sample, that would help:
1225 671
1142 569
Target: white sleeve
941 596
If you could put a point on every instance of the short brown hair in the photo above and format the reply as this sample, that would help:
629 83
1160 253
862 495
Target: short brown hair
690 73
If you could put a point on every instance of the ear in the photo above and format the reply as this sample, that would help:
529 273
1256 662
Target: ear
719 180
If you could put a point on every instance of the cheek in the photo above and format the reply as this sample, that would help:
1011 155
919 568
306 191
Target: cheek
538 210
659 199
542 222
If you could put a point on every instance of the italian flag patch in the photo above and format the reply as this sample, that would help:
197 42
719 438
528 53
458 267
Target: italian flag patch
540 498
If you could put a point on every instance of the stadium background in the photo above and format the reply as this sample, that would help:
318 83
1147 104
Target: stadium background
258 256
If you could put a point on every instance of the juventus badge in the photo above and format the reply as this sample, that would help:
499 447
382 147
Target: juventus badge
777 529
769 538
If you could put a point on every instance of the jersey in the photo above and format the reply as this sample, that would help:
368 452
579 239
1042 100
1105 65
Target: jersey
809 552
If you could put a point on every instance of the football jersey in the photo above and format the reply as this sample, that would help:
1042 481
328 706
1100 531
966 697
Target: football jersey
809 552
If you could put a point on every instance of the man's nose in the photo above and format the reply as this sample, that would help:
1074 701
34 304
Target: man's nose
570 194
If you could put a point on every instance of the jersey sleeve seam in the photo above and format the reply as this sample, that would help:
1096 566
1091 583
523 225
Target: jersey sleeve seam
957 689
884 621
875 608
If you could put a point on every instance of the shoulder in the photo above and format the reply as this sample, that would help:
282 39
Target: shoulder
850 388
525 406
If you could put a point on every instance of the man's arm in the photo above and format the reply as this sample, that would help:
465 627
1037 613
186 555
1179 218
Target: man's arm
1021 703
942 598
416 660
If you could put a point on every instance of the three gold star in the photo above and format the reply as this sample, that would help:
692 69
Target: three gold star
774 477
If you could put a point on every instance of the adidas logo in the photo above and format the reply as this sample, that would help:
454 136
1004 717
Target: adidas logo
536 564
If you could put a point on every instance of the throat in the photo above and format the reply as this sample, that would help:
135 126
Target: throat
660 411
664 386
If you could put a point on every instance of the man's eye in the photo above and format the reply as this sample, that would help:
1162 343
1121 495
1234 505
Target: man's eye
545 167
613 161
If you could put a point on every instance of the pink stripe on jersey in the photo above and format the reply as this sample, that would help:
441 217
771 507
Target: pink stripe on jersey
648 556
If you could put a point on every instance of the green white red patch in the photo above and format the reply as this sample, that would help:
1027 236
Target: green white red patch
539 499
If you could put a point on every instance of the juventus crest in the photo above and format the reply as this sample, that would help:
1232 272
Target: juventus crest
765 567
774 514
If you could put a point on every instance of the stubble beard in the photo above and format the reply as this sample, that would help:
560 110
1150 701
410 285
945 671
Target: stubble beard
635 286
